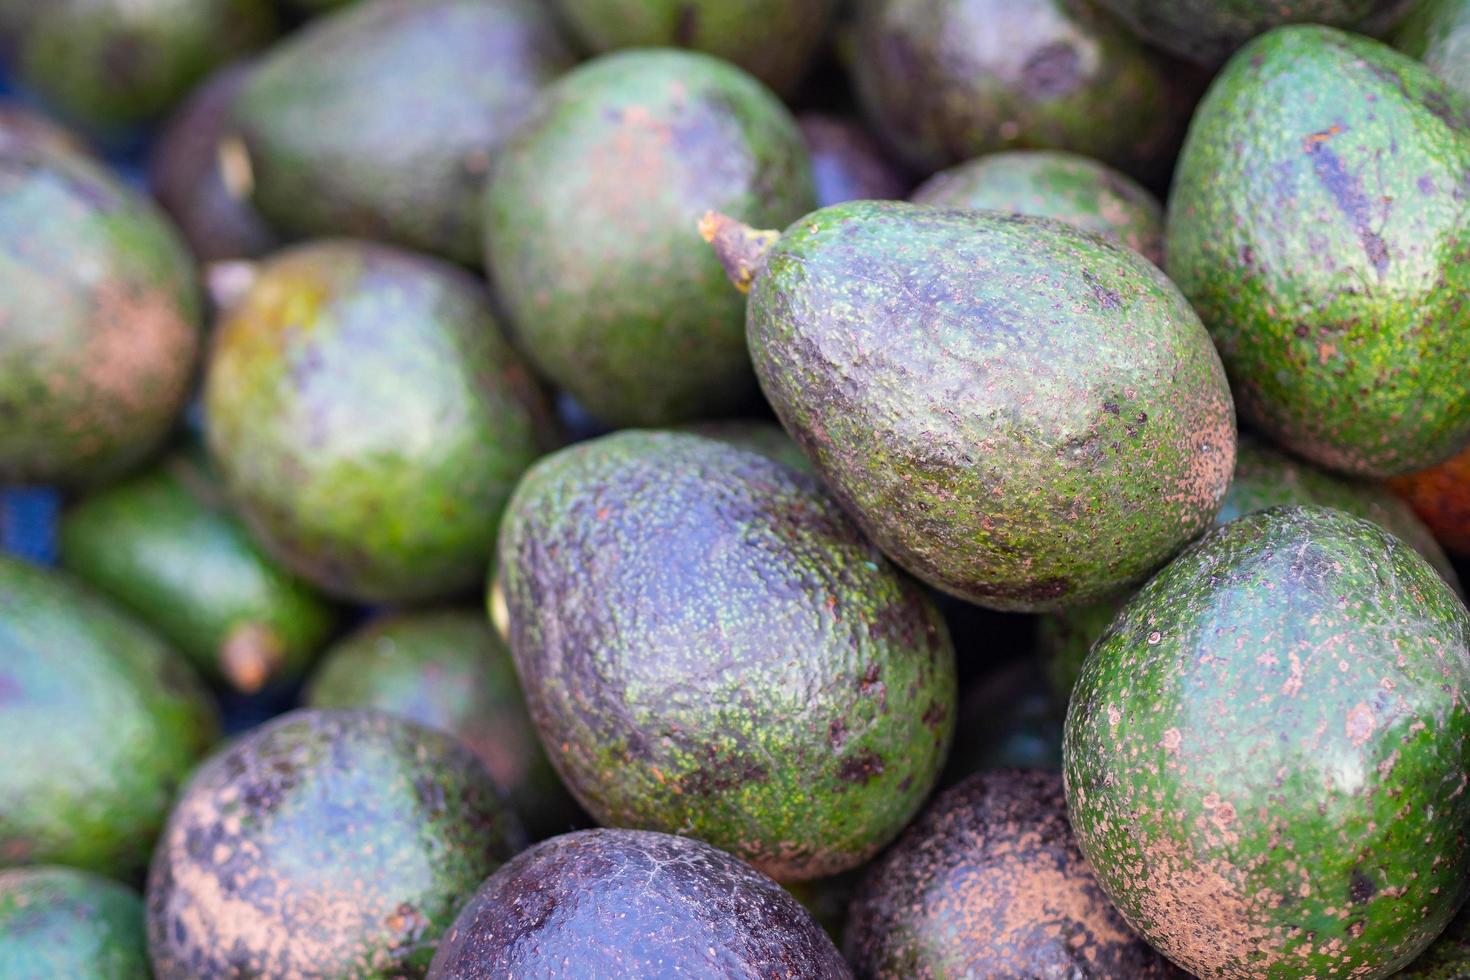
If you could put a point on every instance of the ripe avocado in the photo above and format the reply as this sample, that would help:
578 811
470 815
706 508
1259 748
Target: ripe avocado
628 904
1440 496
708 645
1265 753
1438 34
591 230
99 723
847 163
370 421
1017 412
323 844
64 924
1319 225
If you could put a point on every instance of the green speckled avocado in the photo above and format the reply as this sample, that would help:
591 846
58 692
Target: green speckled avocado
1265 754
1320 224
592 224
766 438
709 646
99 723
1448 958
323 844
369 419
1438 34
383 121
64 924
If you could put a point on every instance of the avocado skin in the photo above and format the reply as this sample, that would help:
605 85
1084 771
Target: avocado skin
592 230
1013 455
102 320
1440 496
1318 224
847 163
1449 956
1264 754
324 843
1064 186
633 904
383 121
322 384
1438 34
99 723
446 669
782 691
64 924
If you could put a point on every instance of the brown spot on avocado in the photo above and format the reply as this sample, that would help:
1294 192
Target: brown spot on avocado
862 767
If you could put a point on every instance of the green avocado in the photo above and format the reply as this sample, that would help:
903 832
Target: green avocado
99 723
709 646
368 418
1265 753
1438 34
847 162
1019 413
766 438
592 219
1449 956
323 844
1320 224
164 545
448 670
1063 186
64 924
383 121
101 313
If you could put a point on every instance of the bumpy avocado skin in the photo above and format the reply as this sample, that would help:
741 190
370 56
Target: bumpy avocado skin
1264 754
1017 412
101 320
385 120
629 904
1440 496
99 724
63 923
592 230
708 645
1438 34
369 419
1320 225
847 163
323 844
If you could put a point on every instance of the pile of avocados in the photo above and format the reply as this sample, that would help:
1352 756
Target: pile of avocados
734 489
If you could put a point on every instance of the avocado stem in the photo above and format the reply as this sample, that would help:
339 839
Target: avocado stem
250 656
741 249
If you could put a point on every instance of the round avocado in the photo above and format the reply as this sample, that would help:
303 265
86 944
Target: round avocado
592 230
1449 956
1265 753
626 904
1438 34
101 312
323 844
19 124
64 924
766 438
1440 496
370 421
1318 224
385 120
99 724
709 646
847 163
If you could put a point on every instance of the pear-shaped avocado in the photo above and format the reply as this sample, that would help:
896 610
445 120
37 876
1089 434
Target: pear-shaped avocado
1265 753
628 904
1318 224
847 163
1438 34
63 924
1440 496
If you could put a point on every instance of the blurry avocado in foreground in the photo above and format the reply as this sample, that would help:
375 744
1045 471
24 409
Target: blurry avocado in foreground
63 924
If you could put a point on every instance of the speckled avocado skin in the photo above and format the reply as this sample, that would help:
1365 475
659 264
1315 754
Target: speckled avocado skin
323 844
1438 34
709 646
847 162
1440 496
99 723
1449 956
1265 754
384 121
60 923
592 230
1017 412
368 417
627 904
101 313
1320 224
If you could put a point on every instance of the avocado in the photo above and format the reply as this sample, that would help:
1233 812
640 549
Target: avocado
64 924
323 844
1017 412
591 230
1265 753
847 163
446 669
18 124
1064 186
165 546
708 645
370 421
1438 34
384 120
1318 224
1440 496
99 723
766 438
101 312
617 904
1448 958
